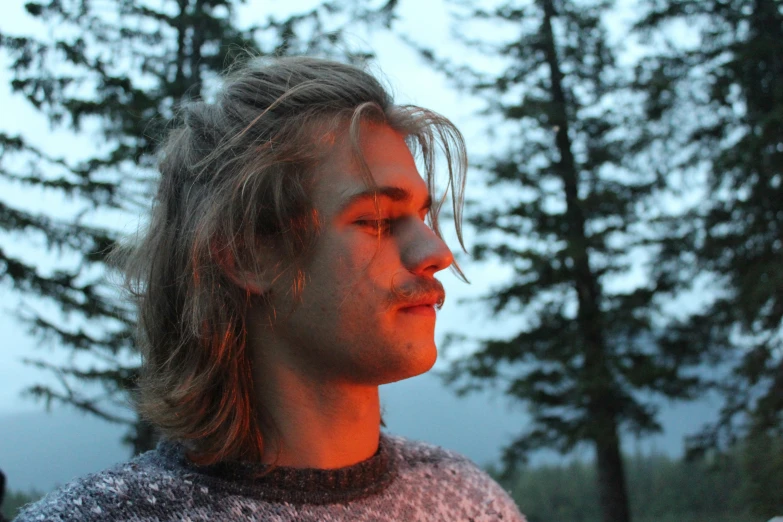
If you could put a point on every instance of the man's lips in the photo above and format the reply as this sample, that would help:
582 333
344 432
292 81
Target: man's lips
426 309
422 306
424 300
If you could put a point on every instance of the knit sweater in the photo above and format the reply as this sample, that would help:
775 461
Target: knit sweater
404 481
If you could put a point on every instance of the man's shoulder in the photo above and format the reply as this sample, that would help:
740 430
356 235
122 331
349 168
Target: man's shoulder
453 476
117 493
415 453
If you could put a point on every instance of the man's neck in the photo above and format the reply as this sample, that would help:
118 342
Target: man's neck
317 425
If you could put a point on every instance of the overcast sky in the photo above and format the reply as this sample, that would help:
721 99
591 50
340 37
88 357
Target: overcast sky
422 409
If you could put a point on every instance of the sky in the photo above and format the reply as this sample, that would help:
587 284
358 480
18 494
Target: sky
420 408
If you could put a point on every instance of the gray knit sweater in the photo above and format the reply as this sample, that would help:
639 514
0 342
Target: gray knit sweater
404 481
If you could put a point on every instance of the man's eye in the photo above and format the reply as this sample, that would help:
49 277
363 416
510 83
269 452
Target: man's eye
376 225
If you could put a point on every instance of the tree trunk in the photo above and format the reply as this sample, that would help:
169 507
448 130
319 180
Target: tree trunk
612 492
182 23
611 476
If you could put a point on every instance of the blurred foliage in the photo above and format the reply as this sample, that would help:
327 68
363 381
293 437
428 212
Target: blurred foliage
14 500
591 349
116 71
713 105
669 167
723 488
762 471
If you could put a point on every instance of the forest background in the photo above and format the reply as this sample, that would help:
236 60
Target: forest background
624 210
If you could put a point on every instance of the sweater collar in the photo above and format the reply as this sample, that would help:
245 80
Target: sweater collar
295 485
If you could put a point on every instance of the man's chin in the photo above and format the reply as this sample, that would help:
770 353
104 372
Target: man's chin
413 367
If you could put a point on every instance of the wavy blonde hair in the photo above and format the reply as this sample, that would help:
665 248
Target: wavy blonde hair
235 174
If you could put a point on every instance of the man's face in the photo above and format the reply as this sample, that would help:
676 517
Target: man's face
350 326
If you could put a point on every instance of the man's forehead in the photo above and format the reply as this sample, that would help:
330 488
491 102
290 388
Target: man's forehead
389 162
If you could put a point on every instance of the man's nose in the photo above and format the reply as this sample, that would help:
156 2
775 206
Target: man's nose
425 252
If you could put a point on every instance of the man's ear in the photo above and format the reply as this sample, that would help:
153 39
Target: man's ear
257 280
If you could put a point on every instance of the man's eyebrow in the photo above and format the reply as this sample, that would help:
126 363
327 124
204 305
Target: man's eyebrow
396 194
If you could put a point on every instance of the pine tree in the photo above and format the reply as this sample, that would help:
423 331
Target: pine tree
567 211
118 69
727 83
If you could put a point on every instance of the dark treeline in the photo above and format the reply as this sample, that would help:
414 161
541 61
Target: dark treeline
734 487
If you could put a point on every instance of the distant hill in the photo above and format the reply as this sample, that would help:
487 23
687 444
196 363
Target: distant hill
40 451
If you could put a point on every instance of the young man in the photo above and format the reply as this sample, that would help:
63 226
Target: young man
288 271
